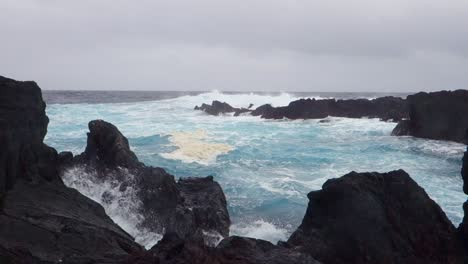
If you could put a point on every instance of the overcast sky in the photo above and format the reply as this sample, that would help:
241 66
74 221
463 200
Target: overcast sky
252 45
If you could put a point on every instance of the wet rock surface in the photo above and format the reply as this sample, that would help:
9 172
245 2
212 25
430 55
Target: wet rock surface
41 220
438 115
386 108
463 227
23 126
358 218
376 218
189 207
233 250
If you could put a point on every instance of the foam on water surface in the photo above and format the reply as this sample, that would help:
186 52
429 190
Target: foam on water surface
195 147
266 167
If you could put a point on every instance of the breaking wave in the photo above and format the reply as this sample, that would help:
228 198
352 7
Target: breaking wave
260 229
265 167
121 206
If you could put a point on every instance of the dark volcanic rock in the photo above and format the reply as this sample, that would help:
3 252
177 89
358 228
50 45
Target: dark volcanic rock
52 223
23 126
376 218
41 220
464 172
402 128
65 158
262 110
109 145
217 108
385 108
190 207
463 227
438 115
233 250
207 204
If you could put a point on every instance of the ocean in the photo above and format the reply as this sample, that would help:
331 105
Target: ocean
265 167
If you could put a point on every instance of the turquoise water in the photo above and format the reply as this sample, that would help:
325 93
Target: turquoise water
266 167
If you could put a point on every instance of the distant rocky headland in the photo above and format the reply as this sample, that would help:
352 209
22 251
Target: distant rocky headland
385 108
357 218
437 115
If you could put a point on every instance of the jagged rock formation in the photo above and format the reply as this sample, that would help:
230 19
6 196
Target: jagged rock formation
189 207
233 250
376 218
41 220
463 227
358 218
438 115
402 128
217 108
23 126
385 108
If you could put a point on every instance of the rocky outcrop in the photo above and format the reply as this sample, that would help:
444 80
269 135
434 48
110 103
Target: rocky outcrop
403 128
385 108
464 172
41 220
50 223
438 115
463 227
190 207
265 109
233 250
358 218
376 218
217 108
107 147
23 126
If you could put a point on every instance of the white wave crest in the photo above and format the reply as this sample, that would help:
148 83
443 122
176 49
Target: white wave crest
260 229
121 206
239 99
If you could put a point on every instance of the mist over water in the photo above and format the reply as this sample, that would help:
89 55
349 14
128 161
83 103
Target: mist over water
266 167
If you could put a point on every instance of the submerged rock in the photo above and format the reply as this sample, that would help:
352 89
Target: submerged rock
376 218
233 250
189 207
438 115
41 220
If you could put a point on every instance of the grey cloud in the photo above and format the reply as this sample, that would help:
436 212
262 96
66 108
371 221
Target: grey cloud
339 45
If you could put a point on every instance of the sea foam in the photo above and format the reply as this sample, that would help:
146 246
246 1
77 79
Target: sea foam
265 167
195 147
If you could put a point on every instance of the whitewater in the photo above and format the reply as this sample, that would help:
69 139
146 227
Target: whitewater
265 167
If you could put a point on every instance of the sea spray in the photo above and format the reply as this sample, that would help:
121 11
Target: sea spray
260 229
273 164
121 204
